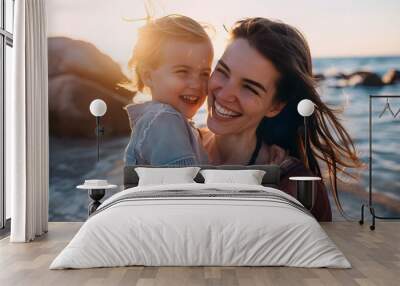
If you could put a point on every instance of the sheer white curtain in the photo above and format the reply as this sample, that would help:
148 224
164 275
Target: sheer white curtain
27 140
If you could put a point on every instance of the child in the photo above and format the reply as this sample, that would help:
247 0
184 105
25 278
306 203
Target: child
172 59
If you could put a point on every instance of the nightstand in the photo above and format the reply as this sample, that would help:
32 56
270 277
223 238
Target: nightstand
96 190
306 190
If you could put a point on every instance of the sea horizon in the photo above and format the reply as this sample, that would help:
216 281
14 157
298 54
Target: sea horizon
333 57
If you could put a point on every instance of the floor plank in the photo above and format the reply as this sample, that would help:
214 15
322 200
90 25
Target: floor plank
374 255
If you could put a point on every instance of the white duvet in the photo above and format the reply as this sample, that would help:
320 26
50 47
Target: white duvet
183 231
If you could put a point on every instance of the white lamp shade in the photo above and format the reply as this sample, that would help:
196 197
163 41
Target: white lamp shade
305 107
98 107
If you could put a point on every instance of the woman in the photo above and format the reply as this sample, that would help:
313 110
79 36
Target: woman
254 90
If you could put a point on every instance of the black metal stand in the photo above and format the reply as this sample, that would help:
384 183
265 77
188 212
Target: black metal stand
99 131
370 205
96 195
306 193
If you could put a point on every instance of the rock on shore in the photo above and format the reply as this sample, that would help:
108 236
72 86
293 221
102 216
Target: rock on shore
78 74
361 78
391 77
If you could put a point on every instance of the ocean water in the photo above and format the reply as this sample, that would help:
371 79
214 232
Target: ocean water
74 160
385 129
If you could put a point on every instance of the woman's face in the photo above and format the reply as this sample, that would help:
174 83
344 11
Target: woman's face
241 90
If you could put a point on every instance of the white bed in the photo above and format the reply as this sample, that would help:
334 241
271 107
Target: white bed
224 225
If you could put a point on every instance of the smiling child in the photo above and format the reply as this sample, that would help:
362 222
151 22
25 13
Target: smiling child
171 59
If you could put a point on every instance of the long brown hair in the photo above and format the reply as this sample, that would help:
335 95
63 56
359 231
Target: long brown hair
328 140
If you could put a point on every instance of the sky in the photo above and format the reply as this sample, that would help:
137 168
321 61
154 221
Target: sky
332 28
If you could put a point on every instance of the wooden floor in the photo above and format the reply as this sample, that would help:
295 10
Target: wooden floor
374 255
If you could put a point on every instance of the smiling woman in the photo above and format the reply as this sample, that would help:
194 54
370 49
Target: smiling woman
254 90
241 94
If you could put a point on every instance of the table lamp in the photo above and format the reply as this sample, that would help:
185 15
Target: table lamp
306 184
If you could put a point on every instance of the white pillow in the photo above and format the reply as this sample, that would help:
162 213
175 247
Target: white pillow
162 176
248 177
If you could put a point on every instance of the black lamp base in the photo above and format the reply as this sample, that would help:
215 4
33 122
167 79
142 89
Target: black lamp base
96 195
306 193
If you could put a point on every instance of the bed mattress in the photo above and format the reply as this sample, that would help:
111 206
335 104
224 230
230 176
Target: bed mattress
201 225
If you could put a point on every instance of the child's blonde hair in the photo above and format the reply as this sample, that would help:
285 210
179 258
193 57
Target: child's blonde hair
152 37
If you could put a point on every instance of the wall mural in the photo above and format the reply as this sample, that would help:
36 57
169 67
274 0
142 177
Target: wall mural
178 92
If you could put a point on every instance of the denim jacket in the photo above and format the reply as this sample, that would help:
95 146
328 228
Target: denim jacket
162 136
